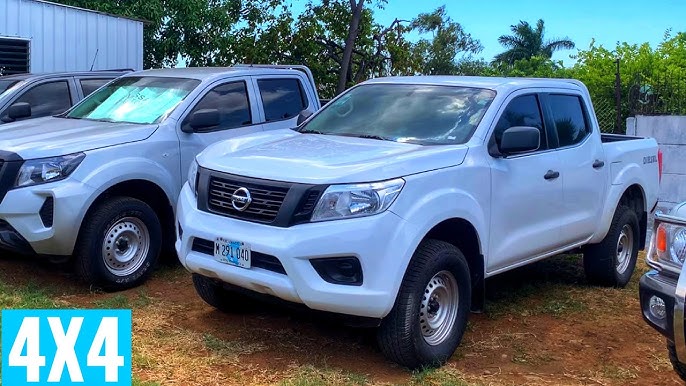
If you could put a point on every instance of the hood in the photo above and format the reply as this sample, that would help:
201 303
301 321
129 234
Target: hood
49 137
286 155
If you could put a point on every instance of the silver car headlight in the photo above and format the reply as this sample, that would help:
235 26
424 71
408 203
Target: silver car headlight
44 170
193 177
670 244
357 200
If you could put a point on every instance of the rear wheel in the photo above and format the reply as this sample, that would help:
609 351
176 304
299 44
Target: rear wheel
612 261
429 317
119 244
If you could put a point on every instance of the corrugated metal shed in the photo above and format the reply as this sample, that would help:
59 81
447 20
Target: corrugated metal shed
63 38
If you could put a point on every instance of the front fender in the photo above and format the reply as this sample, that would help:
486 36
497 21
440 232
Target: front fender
424 208
110 173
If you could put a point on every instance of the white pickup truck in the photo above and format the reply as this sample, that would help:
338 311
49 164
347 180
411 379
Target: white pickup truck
100 181
401 196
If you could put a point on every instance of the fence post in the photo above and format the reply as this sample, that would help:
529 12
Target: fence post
618 98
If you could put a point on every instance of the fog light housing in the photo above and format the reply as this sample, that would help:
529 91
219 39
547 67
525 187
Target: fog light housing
657 307
339 270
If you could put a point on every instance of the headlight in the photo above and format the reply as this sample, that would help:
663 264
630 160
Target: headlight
670 244
358 200
193 177
40 171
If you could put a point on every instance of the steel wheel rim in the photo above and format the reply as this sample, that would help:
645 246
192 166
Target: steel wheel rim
126 246
625 248
438 310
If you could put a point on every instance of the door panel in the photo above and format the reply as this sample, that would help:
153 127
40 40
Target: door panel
235 101
525 208
584 185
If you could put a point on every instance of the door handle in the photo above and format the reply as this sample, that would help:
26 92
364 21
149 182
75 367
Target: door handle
598 164
551 175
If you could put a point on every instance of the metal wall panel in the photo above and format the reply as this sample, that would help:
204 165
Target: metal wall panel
72 39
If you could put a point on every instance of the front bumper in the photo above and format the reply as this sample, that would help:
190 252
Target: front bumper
381 243
43 219
654 284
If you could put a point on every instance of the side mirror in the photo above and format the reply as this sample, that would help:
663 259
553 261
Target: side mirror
520 139
19 110
202 119
302 117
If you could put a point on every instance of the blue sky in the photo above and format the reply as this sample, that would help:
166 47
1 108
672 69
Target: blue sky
606 21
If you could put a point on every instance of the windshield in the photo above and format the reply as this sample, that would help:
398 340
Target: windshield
422 114
141 100
6 85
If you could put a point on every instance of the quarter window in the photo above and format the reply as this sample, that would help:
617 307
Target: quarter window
47 99
521 111
569 117
281 98
231 100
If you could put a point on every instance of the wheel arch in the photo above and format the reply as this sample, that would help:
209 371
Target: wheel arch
464 235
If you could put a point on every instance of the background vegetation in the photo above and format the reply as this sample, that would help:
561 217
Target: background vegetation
343 44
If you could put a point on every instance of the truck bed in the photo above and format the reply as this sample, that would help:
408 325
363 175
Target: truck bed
605 138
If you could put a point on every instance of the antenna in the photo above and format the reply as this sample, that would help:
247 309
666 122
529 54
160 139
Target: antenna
96 56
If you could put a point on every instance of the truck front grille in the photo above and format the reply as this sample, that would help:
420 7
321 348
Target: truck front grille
264 207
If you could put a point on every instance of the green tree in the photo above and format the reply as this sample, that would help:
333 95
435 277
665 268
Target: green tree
448 41
527 42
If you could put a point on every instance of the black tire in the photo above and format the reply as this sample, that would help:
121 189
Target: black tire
601 261
679 367
96 236
219 297
400 335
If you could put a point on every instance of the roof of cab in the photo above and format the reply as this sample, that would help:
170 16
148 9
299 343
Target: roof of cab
491 83
203 73
40 76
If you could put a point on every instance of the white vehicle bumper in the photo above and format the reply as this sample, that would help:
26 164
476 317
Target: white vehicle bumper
23 229
380 243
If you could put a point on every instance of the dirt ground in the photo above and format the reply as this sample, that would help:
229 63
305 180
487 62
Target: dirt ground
543 326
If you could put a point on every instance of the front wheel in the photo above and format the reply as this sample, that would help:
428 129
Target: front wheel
119 244
612 261
430 313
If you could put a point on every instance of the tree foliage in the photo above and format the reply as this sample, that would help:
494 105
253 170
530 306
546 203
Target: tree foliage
527 42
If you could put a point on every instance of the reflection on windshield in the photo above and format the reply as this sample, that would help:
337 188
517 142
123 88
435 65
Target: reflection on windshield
423 114
141 100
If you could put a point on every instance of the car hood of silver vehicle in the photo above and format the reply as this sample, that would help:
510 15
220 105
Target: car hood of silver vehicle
52 136
316 159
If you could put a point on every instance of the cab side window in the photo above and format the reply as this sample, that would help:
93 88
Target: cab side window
281 98
231 100
521 111
47 99
569 117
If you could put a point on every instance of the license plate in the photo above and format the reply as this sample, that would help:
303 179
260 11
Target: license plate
232 252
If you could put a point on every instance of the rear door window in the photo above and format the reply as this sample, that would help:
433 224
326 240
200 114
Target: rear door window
569 117
281 98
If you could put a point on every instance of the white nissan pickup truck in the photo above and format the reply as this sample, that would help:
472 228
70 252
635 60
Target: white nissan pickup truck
400 197
100 181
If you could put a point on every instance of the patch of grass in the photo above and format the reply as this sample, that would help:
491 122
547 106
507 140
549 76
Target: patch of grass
225 348
30 296
444 376
311 376
137 382
120 301
561 304
618 373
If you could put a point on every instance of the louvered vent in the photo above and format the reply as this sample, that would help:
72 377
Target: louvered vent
14 56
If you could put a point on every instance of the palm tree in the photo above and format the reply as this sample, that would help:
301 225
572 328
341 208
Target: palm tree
527 42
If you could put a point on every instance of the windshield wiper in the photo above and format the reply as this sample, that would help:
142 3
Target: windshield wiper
368 136
308 131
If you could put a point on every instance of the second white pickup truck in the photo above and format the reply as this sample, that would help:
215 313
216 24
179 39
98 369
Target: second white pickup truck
400 197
